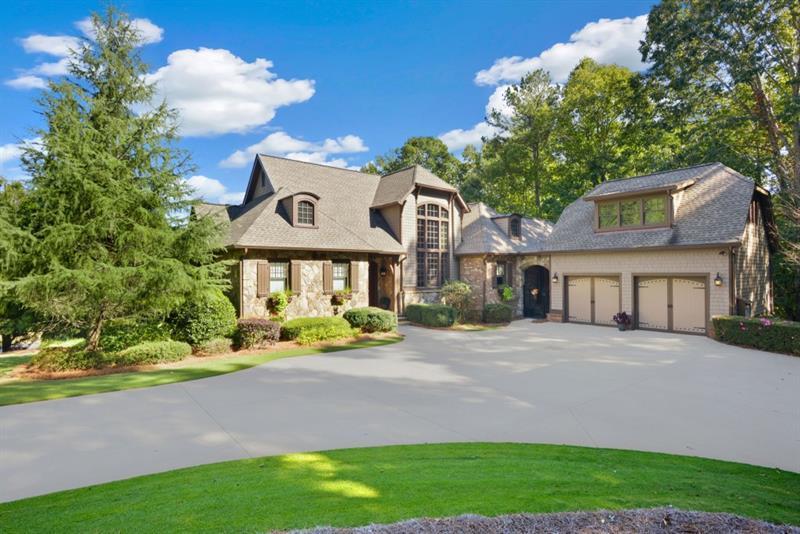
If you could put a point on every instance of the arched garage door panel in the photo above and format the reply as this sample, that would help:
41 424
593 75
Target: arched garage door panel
606 299
652 302
579 295
689 305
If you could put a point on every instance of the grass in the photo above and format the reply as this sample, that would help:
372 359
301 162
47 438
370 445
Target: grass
385 484
22 391
8 363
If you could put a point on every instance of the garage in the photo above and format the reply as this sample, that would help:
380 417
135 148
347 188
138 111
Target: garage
671 303
592 299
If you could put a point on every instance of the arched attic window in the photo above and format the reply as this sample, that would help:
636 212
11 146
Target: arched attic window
515 227
305 211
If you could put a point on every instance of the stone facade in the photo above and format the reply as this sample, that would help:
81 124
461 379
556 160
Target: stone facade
477 271
707 262
311 300
752 267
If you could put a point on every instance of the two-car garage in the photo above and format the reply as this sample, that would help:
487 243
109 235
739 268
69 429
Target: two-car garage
677 303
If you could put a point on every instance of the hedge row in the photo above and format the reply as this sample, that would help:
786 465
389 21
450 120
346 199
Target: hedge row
766 334
438 315
497 313
307 330
371 319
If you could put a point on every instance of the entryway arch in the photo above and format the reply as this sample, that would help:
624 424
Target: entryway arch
536 292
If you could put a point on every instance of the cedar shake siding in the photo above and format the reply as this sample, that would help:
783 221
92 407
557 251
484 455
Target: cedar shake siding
753 289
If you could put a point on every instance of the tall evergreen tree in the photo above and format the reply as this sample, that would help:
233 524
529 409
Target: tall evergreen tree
106 232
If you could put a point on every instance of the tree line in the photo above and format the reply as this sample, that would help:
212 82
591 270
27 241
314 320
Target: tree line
723 84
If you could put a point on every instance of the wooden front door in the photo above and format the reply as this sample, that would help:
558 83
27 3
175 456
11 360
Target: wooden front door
536 292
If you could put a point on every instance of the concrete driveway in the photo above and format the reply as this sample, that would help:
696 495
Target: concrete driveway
546 383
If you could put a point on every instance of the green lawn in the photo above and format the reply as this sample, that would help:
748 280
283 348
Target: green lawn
8 363
385 484
21 391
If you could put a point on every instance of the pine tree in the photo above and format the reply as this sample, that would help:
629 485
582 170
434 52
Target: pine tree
105 215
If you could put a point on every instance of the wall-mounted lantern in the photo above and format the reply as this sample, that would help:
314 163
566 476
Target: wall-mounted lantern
383 270
718 280
555 278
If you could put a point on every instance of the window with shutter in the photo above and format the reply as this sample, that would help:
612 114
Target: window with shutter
262 279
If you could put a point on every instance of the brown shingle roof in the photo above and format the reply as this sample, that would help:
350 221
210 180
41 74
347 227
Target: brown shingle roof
713 211
395 187
482 235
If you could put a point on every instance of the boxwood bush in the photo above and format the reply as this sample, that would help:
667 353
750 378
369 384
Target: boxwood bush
306 330
765 334
120 334
439 315
67 359
218 345
497 313
153 352
256 333
371 319
210 316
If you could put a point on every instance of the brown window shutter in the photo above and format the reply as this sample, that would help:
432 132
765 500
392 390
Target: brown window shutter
327 277
296 277
354 276
510 273
262 279
494 275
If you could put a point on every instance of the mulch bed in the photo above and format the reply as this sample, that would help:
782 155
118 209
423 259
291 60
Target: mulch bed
649 521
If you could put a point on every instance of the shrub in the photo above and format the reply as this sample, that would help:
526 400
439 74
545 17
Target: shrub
257 333
765 334
497 313
209 317
457 294
505 292
371 319
120 334
217 345
67 359
306 330
431 314
278 302
153 352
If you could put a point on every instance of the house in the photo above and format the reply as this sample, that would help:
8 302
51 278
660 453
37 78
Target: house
672 248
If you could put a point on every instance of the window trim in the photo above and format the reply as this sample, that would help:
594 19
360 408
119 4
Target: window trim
347 267
641 225
311 199
441 251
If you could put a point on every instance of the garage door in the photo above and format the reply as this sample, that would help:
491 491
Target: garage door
592 299
675 303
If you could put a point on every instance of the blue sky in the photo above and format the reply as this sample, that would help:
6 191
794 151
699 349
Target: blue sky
320 81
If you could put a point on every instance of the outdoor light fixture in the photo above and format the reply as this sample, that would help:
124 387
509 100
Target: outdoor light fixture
383 270
718 280
555 278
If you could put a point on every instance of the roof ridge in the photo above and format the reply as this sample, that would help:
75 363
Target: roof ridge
317 164
398 171
660 172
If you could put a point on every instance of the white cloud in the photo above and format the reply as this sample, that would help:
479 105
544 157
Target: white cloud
217 92
9 158
9 152
458 139
55 45
213 190
148 32
27 81
57 68
283 144
605 41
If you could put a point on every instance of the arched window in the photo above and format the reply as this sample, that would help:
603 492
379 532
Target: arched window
305 213
433 245
514 227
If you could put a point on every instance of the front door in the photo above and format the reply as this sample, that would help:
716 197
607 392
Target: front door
536 292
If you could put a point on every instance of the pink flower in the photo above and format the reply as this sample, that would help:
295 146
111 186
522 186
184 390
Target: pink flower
765 322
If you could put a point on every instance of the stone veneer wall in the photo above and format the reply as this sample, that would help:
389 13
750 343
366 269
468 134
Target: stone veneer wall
311 301
752 270
626 264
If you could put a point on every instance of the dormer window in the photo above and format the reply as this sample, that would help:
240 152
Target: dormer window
305 213
630 213
515 228
304 210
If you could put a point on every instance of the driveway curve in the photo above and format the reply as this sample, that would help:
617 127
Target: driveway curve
529 382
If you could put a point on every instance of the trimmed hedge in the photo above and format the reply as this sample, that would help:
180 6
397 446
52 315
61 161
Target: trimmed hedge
217 345
67 359
257 333
120 334
497 313
765 334
306 330
153 352
209 317
371 319
439 315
